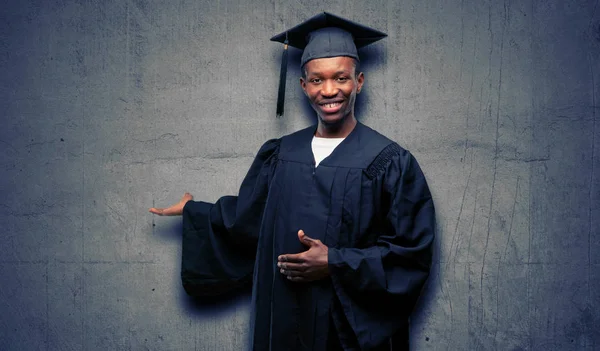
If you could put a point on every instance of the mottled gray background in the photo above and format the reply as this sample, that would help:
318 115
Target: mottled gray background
110 107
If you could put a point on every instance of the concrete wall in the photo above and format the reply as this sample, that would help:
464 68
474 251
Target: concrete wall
110 107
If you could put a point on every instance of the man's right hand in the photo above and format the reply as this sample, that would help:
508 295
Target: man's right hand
175 210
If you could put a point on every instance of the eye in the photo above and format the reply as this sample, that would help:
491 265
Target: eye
315 80
342 79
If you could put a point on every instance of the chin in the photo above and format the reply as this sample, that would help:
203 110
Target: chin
333 118
332 121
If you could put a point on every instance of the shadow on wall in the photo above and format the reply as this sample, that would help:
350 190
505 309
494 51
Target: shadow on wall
306 111
428 294
207 306
371 60
168 230
216 306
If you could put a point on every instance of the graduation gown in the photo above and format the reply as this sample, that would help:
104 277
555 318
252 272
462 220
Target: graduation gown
368 202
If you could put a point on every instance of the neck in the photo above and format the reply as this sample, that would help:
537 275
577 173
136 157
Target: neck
337 130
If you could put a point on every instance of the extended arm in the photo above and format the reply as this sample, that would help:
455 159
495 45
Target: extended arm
219 240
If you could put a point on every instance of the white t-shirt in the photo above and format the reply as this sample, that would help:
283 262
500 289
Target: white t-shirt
323 147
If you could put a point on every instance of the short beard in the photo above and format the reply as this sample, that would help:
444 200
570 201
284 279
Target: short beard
334 125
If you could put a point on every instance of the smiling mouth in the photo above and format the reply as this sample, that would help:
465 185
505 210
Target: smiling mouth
331 105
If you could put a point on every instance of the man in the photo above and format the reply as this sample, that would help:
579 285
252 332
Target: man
333 224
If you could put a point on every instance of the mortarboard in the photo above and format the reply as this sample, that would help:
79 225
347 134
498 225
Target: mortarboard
324 35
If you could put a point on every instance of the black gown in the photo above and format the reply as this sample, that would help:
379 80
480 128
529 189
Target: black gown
368 202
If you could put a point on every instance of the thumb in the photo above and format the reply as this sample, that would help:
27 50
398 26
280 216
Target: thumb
305 239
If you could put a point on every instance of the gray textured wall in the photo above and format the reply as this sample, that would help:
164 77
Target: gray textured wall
111 107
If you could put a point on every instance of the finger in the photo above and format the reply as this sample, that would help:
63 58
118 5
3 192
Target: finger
295 258
169 211
306 240
299 267
164 211
157 211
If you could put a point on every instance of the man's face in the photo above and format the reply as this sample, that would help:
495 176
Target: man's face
331 85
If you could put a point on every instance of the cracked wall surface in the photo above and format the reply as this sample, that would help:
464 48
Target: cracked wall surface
112 107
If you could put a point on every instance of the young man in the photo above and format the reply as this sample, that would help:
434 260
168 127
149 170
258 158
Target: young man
333 224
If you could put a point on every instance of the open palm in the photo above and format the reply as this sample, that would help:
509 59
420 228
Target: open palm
175 210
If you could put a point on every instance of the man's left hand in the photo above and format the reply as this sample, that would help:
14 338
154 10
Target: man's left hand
306 266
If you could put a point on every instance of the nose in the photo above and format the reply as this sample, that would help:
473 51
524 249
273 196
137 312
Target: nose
329 88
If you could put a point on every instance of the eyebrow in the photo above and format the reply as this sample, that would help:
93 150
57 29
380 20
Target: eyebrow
317 73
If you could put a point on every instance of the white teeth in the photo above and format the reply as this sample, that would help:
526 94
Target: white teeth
335 104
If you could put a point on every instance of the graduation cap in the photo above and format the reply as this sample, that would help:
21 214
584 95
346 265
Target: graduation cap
324 35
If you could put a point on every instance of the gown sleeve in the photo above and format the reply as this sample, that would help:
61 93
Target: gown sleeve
378 285
220 239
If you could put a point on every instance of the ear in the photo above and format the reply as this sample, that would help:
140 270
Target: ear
361 80
303 84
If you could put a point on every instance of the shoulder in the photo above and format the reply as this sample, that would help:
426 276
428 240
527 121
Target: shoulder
302 133
392 156
380 148
294 139
269 148
287 140
372 134
387 152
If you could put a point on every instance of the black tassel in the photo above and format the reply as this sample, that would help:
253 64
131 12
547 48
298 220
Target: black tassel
282 79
